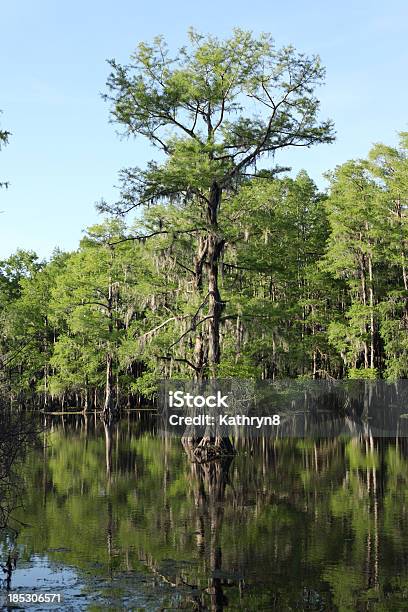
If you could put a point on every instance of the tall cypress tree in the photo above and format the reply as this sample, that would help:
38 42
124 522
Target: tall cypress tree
194 108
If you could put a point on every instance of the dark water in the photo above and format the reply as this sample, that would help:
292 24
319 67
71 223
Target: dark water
123 520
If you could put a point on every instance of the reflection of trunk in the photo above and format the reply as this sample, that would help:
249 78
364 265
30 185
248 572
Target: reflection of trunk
108 446
372 542
109 536
18 434
217 500
209 483
218 599
376 533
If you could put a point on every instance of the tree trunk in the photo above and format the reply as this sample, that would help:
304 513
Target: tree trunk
109 407
199 263
364 299
372 322
46 366
215 245
208 349
108 404
199 357
215 304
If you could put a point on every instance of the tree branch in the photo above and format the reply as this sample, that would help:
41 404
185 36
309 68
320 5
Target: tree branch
183 360
143 237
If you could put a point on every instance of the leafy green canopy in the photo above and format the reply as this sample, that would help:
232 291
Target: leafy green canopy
196 107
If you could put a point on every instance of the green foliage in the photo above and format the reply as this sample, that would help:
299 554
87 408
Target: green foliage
362 374
228 269
310 283
193 106
366 251
146 385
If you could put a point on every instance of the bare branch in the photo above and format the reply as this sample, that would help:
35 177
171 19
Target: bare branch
155 329
192 328
183 360
143 237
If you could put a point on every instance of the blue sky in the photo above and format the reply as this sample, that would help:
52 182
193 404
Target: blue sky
64 155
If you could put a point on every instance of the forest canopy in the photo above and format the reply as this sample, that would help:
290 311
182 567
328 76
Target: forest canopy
215 261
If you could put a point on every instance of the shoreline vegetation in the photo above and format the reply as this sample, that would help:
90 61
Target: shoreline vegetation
229 267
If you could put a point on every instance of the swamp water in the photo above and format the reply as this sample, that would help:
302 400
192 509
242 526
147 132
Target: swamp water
121 519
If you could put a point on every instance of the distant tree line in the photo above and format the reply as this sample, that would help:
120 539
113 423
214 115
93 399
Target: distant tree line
228 269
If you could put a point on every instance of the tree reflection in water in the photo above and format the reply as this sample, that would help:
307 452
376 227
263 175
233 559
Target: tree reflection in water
209 480
18 433
309 524
310 485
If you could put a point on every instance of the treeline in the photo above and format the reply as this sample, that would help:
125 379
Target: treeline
312 285
229 269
